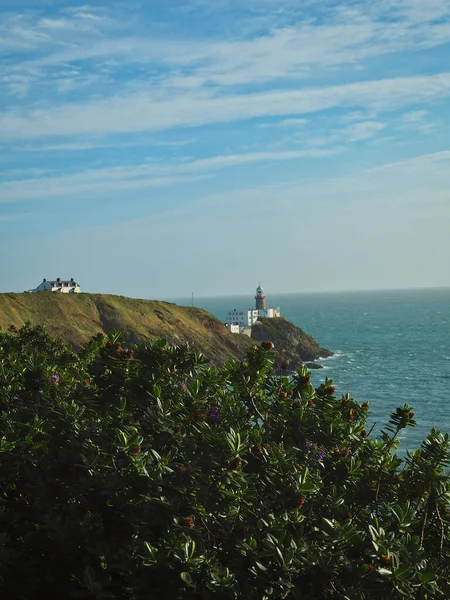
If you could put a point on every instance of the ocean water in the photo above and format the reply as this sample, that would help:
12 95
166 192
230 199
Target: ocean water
391 347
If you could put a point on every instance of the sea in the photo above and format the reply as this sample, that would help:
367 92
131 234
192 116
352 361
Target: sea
391 348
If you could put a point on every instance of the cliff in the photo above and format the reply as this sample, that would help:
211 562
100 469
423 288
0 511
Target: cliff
292 343
75 318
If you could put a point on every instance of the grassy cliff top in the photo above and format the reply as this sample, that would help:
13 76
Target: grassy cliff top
75 318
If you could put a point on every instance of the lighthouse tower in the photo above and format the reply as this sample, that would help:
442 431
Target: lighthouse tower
260 299
243 321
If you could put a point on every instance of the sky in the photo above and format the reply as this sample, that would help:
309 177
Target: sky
154 149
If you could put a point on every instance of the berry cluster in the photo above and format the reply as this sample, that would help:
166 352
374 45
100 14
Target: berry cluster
117 351
267 345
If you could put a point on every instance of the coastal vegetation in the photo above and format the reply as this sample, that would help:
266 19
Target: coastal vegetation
142 471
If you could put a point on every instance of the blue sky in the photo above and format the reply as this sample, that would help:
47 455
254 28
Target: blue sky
157 148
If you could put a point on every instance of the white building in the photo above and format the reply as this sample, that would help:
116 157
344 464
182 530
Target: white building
242 318
238 320
59 285
233 328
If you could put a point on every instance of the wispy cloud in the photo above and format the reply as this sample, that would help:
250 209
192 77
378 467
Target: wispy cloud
166 103
293 122
157 110
419 121
362 130
101 181
347 37
97 144
414 116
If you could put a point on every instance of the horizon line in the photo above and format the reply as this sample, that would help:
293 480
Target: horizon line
312 292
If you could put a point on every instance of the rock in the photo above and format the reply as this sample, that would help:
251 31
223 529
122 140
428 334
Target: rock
292 344
312 366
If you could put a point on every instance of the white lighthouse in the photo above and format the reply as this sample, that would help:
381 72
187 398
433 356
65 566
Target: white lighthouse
241 321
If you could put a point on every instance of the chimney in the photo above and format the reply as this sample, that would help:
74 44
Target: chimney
59 279
44 279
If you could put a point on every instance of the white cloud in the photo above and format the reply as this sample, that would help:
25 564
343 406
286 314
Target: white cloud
362 130
354 116
87 11
293 123
289 52
419 121
83 77
55 24
416 11
157 109
415 164
100 181
414 116
93 144
346 37
241 159
423 180
68 186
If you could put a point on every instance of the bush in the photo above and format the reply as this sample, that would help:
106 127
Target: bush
144 473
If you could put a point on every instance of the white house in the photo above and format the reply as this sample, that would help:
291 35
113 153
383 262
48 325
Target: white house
59 285
238 320
242 318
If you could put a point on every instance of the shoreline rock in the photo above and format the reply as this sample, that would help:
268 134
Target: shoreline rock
293 345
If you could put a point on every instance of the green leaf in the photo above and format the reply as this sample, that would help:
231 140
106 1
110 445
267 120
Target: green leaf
428 576
401 571
186 577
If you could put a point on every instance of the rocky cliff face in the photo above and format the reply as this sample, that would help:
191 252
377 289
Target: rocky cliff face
293 345
75 318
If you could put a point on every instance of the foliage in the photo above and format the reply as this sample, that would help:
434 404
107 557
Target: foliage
143 472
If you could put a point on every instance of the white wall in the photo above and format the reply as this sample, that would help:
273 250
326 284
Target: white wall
243 318
247 318
237 317
71 289
271 312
